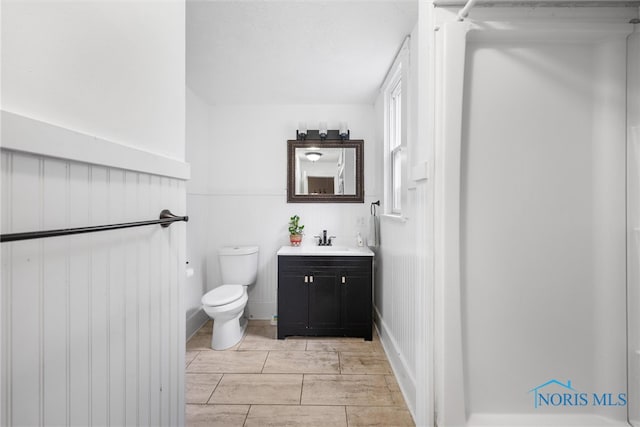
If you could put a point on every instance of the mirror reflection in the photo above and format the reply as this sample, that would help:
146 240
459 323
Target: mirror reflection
325 171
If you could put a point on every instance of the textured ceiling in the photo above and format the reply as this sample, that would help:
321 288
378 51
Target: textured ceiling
293 51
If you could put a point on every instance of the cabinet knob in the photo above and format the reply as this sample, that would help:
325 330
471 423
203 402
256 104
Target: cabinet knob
344 279
306 279
311 279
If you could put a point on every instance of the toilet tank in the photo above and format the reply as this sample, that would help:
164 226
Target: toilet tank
238 264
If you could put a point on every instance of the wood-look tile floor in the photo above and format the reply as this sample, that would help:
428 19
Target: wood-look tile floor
299 381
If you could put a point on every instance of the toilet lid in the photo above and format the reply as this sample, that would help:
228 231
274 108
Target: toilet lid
223 295
238 250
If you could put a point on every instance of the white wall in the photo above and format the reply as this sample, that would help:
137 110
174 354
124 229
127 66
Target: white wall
197 152
92 325
397 282
246 192
99 68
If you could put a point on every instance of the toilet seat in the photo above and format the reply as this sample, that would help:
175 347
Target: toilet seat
223 295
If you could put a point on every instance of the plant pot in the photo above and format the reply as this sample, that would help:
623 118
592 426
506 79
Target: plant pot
295 239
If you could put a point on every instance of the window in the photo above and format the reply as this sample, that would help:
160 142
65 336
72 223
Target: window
394 132
395 147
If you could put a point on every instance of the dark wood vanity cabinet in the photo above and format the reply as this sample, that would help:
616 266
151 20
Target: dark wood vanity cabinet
325 296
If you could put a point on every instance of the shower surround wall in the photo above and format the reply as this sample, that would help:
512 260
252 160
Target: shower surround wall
633 225
531 272
93 324
557 291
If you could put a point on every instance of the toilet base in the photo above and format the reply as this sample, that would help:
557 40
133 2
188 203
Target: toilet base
228 333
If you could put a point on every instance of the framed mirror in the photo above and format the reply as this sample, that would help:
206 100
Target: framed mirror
325 171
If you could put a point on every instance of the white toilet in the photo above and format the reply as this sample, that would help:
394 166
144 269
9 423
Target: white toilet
225 304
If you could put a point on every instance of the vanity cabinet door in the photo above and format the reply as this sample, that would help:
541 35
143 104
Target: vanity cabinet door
356 300
293 294
324 301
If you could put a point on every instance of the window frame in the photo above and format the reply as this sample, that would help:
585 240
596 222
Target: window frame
395 133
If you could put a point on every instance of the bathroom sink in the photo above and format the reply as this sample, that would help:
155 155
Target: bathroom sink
310 250
328 250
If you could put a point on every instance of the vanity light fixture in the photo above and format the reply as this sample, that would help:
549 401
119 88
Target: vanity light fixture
344 131
322 130
301 133
313 156
323 134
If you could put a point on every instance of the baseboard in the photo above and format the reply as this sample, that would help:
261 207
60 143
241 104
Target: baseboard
195 322
406 380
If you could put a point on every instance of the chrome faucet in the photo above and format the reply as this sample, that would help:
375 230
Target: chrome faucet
324 240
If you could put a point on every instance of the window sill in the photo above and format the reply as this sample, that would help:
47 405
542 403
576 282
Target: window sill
394 218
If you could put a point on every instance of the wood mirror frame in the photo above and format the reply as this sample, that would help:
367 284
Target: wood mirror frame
292 197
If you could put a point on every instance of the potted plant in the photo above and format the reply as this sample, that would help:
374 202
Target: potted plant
295 230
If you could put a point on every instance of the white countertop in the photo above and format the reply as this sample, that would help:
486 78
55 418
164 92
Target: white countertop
310 250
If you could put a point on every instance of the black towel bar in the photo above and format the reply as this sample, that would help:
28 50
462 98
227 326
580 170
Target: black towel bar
373 207
166 219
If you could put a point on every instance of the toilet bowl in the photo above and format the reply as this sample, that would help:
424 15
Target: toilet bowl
225 304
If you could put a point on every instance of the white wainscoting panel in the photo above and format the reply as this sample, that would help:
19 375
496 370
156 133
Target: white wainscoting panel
92 324
396 286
